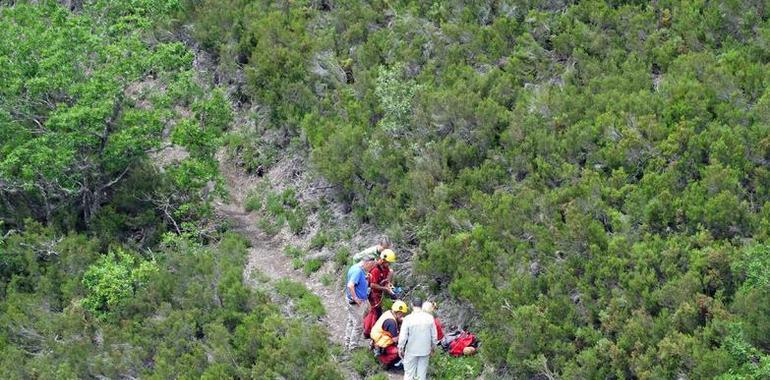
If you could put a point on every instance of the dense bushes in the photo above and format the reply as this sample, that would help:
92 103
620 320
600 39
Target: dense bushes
111 264
181 310
590 177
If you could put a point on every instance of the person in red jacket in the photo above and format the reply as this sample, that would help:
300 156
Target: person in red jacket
431 307
379 280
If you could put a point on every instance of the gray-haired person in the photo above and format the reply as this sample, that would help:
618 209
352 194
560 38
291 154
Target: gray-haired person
416 341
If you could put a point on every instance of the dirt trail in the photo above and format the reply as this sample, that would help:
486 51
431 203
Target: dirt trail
266 254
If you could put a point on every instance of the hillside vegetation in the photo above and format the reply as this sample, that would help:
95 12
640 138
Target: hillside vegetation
112 264
590 177
591 180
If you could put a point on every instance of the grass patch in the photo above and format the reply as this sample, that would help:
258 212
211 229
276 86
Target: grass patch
312 266
363 362
289 198
319 240
268 227
306 303
293 252
250 149
297 220
274 204
326 279
284 208
253 202
341 258
297 263
445 366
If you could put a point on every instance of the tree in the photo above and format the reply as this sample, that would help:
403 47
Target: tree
79 108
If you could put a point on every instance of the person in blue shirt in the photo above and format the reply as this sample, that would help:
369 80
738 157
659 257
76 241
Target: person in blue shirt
356 293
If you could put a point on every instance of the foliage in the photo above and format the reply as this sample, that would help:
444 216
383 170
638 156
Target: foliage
589 176
110 263
183 311
253 202
311 266
113 280
444 366
341 257
77 125
363 362
319 240
307 303
293 252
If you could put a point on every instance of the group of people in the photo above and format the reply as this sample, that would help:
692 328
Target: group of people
398 337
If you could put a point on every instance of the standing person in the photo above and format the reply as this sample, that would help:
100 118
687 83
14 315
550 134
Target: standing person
379 279
430 307
373 252
356 292
385 334
416 342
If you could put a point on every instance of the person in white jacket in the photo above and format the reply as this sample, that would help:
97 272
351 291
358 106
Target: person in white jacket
416 342
373 252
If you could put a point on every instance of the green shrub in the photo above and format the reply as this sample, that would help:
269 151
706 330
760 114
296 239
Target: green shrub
341 257
296 220
363 362
312 266
326 279
319 240
311 305
253 202
445 366
289 288
274 204
268 227
307 303
297 263
293 252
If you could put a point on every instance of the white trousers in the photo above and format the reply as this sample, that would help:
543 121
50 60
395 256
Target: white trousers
416 367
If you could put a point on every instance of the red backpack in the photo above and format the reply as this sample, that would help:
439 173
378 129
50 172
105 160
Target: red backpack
458 345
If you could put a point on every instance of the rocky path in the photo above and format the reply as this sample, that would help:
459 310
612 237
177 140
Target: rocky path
266 256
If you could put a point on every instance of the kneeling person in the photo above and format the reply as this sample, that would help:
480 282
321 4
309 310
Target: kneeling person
385 334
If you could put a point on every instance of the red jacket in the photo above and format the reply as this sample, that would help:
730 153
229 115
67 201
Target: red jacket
439 330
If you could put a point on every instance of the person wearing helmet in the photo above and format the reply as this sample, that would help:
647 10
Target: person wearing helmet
385 334
373 252
379 279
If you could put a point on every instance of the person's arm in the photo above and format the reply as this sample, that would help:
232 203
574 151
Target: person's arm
366 254
391 327
403 337
381 288
352 289
433 337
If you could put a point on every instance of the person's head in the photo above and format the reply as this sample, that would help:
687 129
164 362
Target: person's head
429 307
399 309
386 257
384 243
368 265
417 303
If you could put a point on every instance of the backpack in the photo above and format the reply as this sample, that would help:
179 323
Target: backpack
457 346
